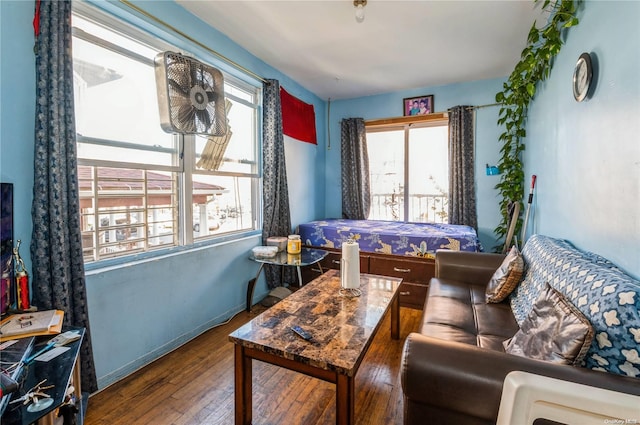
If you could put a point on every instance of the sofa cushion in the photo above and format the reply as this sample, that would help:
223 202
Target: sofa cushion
506 278
554 331
608 298
457 311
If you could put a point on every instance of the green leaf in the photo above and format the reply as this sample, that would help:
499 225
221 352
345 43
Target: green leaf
534 35
531 89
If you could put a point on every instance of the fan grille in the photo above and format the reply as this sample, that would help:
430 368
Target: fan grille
190 96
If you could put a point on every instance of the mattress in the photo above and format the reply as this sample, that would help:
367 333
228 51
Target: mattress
390 237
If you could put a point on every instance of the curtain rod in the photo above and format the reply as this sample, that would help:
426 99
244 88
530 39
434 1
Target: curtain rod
177 31
471 108
482 106
485 106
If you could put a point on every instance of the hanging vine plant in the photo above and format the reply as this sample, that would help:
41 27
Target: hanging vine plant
536 61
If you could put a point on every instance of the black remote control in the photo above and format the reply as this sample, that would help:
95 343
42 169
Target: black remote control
301 332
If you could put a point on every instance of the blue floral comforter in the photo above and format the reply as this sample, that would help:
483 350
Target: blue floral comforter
390 237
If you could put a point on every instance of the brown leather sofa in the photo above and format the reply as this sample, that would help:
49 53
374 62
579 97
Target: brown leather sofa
453 369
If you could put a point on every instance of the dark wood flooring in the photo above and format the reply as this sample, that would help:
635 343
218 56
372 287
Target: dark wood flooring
194 385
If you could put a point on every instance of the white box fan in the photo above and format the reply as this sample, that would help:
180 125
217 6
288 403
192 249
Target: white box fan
190 96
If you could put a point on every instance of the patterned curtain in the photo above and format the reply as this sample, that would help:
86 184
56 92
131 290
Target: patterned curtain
56 245
462 194
356 194
276 213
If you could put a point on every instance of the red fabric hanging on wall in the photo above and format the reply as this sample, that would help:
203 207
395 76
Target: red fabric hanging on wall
298 118
36 20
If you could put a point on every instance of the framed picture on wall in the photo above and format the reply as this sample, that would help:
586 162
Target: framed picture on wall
420 105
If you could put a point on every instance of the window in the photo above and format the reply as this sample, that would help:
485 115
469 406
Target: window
409 171
142 189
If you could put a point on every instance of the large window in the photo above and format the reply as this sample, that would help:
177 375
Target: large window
409 172
141 188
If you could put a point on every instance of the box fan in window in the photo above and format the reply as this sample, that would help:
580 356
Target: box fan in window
190 96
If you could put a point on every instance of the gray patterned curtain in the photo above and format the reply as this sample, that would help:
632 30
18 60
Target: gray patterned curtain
462 194
56 245
275 193
356 193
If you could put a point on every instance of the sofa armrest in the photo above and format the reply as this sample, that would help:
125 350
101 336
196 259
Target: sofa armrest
469 267
467 379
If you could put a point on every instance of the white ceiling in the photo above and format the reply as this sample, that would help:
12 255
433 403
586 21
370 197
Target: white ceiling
400 45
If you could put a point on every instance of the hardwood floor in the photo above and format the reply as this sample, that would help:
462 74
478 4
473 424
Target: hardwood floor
194 385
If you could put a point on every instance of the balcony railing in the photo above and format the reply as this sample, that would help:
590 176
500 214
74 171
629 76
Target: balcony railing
423 208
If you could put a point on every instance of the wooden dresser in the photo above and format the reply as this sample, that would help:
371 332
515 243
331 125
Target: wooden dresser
415 272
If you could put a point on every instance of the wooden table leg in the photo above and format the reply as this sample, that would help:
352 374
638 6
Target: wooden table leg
395 318
345 400
243 378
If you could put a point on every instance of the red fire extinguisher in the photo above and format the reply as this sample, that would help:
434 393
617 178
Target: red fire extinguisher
22 280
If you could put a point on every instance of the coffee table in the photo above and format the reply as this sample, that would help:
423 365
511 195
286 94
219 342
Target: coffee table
342 329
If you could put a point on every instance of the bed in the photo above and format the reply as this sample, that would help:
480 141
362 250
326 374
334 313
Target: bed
389 248
390 237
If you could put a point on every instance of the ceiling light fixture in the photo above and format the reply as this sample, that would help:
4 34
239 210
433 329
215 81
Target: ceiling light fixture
359 5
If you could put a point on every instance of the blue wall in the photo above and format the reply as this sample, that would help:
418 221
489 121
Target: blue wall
587 155
143 310
17 106
390 105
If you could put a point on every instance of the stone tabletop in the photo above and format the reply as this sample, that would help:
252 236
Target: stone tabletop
342 327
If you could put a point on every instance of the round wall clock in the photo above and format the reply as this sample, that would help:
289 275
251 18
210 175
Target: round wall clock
582 74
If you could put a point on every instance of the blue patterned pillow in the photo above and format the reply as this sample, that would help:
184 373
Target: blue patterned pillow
609 298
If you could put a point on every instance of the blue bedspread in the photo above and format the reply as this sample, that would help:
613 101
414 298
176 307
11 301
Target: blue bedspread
390 237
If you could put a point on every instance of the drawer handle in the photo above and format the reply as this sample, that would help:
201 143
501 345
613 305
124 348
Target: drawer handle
335 261
395 269
316 270
405 293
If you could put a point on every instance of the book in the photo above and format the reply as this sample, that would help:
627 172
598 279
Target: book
48 322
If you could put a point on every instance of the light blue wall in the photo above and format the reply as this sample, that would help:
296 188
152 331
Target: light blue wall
139 312
587 155
17 106
390 105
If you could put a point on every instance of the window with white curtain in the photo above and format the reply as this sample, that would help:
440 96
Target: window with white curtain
142 189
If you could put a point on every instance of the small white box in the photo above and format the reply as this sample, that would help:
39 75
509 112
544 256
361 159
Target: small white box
264 251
